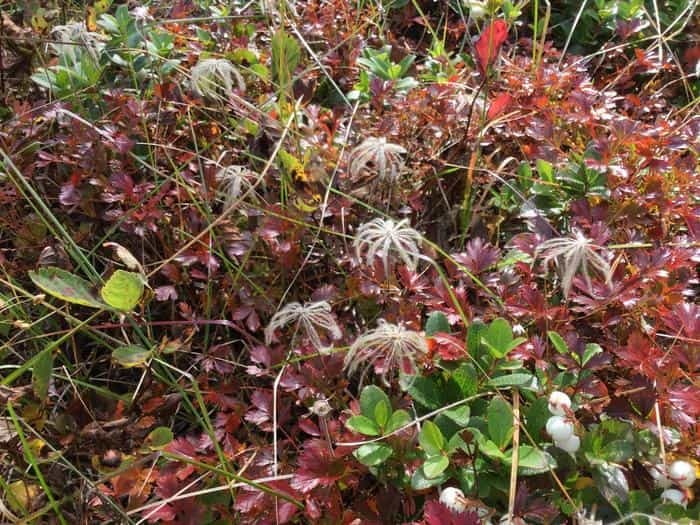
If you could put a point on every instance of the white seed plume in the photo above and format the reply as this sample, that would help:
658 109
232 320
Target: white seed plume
390 343
453 499
385 156
214 78
384 237
233 181
308 317
573 254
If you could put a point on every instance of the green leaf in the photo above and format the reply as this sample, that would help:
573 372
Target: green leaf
369 398
159 438
459 415
618 451
466 379
398 419
437 322
123 290
498 338
373 454
545 170
435 465
499 416
532 461
474 333
65 286
431 439
285 58
591 350
558 342
131 355
41 373
425 391
382 411
420 481
611 481
522 380
363 425
536 416
490 449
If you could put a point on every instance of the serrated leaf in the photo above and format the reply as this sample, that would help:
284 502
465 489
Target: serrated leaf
398 419
474 333
424 390
131 355
467 379
65 286
437 322
431 439
435 465
370 396
373 454
499 417
558 342
123 290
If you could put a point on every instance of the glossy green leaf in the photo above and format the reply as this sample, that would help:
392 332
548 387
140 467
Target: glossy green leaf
369 398
521 380
435 465
363 425
123 290
398 419
65 286
558 342
420 481
425 391
431 439
373 454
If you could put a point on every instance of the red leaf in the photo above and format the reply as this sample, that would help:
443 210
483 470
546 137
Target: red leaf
438 514
489 43
499 105
448 348
318 466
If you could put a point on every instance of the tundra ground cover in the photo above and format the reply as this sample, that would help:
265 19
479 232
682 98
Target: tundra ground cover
349 262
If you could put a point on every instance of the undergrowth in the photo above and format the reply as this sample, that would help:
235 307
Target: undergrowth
349 262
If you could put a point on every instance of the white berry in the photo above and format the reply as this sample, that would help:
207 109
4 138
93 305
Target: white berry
559 428
559 403
674 496
660 475
569 445
453 499
682 473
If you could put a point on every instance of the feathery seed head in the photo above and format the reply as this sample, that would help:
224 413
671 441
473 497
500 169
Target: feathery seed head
387 347
214 78
380 237
71 40
233 181
385 157
308 317
573 254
